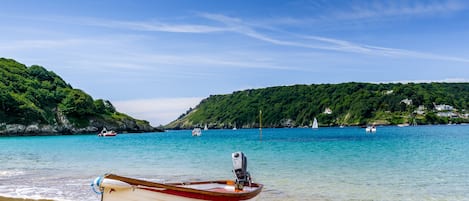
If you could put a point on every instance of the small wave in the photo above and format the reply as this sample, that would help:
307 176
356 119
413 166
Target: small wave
35 193
10 173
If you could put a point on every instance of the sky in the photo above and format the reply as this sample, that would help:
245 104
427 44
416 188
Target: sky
155 59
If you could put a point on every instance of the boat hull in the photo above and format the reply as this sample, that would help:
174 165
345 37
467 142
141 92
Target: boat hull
107 135
117 188
137 194
370 129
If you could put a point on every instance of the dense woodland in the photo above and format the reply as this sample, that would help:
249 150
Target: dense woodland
350 104
34 95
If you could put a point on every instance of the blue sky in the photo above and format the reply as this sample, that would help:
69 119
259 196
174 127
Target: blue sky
155 59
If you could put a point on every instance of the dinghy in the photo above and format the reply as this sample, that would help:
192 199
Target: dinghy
119 188
196 132
106 133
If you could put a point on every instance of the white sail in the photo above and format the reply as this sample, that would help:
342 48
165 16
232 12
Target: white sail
315 123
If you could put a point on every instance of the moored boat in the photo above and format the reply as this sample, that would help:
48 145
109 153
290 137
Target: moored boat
106 133
403 125
196 132
370 129
118 188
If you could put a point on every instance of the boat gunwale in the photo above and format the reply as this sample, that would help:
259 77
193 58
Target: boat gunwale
192 191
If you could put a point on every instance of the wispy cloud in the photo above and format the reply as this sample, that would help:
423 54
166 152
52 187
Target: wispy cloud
213 60
223 23
324 43
154 26
346 46
377 9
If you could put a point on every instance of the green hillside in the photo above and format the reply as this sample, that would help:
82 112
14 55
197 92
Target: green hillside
332 104
35 96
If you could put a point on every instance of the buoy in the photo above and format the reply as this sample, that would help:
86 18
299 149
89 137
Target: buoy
96 184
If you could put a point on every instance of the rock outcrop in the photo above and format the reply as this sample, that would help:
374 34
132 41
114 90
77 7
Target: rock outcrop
37 129
64 127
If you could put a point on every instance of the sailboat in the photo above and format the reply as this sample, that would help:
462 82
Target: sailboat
205 128
315 123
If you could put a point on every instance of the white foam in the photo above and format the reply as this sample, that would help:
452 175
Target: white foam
10 173
26 192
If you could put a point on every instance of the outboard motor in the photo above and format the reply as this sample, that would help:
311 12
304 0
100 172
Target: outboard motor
240 164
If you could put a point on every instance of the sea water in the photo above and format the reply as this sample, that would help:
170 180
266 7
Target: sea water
395 163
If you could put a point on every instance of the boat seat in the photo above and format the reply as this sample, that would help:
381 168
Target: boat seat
208 186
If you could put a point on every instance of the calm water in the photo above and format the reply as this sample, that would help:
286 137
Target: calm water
410 163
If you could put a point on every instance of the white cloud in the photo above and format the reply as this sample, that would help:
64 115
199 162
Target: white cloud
158 111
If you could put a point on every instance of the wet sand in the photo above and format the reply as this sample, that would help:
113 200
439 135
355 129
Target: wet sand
19 199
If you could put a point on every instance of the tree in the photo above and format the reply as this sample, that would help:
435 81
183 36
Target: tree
100 107
77 103
109 107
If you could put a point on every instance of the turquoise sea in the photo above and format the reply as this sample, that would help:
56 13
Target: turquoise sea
408 163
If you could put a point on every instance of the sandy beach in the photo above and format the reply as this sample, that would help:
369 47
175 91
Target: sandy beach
19 199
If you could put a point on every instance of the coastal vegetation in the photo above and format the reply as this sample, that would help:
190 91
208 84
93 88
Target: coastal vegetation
35 100
333 104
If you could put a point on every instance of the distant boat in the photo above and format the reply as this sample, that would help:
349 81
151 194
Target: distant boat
205 128
196 132
403 125
106 133
234 127
315 123
112 187
370 129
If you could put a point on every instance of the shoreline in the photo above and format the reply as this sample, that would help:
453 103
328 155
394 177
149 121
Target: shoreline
3 198
28 134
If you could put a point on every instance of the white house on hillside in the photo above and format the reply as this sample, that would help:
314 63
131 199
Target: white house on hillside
328 111
443 107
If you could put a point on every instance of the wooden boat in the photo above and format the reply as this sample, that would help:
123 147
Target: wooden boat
118 188
106 133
